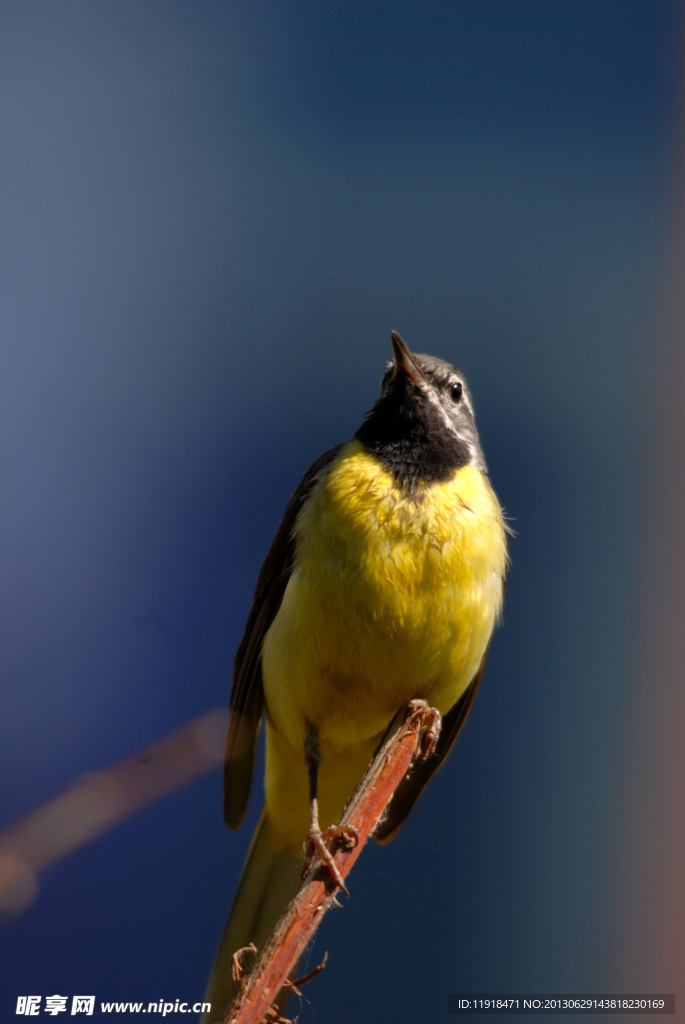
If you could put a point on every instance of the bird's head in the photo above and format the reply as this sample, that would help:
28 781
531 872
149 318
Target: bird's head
422 427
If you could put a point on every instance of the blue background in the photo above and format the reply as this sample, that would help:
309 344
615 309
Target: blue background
211 216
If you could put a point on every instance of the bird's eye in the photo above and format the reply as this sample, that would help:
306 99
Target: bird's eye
455 391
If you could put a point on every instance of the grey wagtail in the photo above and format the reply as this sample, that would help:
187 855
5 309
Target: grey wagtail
383 584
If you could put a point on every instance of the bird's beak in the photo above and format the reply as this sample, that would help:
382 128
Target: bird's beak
404 360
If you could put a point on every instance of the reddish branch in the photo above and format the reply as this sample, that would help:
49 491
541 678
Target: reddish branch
413 733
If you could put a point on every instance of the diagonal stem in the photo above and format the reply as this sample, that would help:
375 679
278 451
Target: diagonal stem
401 744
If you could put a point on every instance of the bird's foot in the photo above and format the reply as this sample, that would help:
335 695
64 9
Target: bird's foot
317 841
428 723
237 965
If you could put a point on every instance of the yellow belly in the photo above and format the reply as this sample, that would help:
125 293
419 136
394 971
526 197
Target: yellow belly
391 597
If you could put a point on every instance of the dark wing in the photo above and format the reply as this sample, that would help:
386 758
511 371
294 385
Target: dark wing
247 694
412 785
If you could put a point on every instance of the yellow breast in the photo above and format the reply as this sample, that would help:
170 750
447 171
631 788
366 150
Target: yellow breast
391 597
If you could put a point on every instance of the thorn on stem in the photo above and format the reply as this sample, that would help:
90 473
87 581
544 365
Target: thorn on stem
306 977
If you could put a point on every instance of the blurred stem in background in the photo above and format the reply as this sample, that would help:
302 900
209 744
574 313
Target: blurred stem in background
97 802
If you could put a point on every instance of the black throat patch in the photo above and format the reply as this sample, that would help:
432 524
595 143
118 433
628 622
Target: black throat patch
408 436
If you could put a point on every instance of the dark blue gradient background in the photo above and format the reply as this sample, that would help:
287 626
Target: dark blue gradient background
211 216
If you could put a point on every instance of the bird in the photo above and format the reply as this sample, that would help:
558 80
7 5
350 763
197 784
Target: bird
383 584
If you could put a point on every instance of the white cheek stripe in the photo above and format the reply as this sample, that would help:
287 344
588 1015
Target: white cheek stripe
437 404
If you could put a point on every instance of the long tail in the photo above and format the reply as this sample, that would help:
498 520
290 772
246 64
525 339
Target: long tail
267 884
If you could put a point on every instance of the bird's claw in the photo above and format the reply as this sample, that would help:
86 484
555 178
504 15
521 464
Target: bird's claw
317 842
428 723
